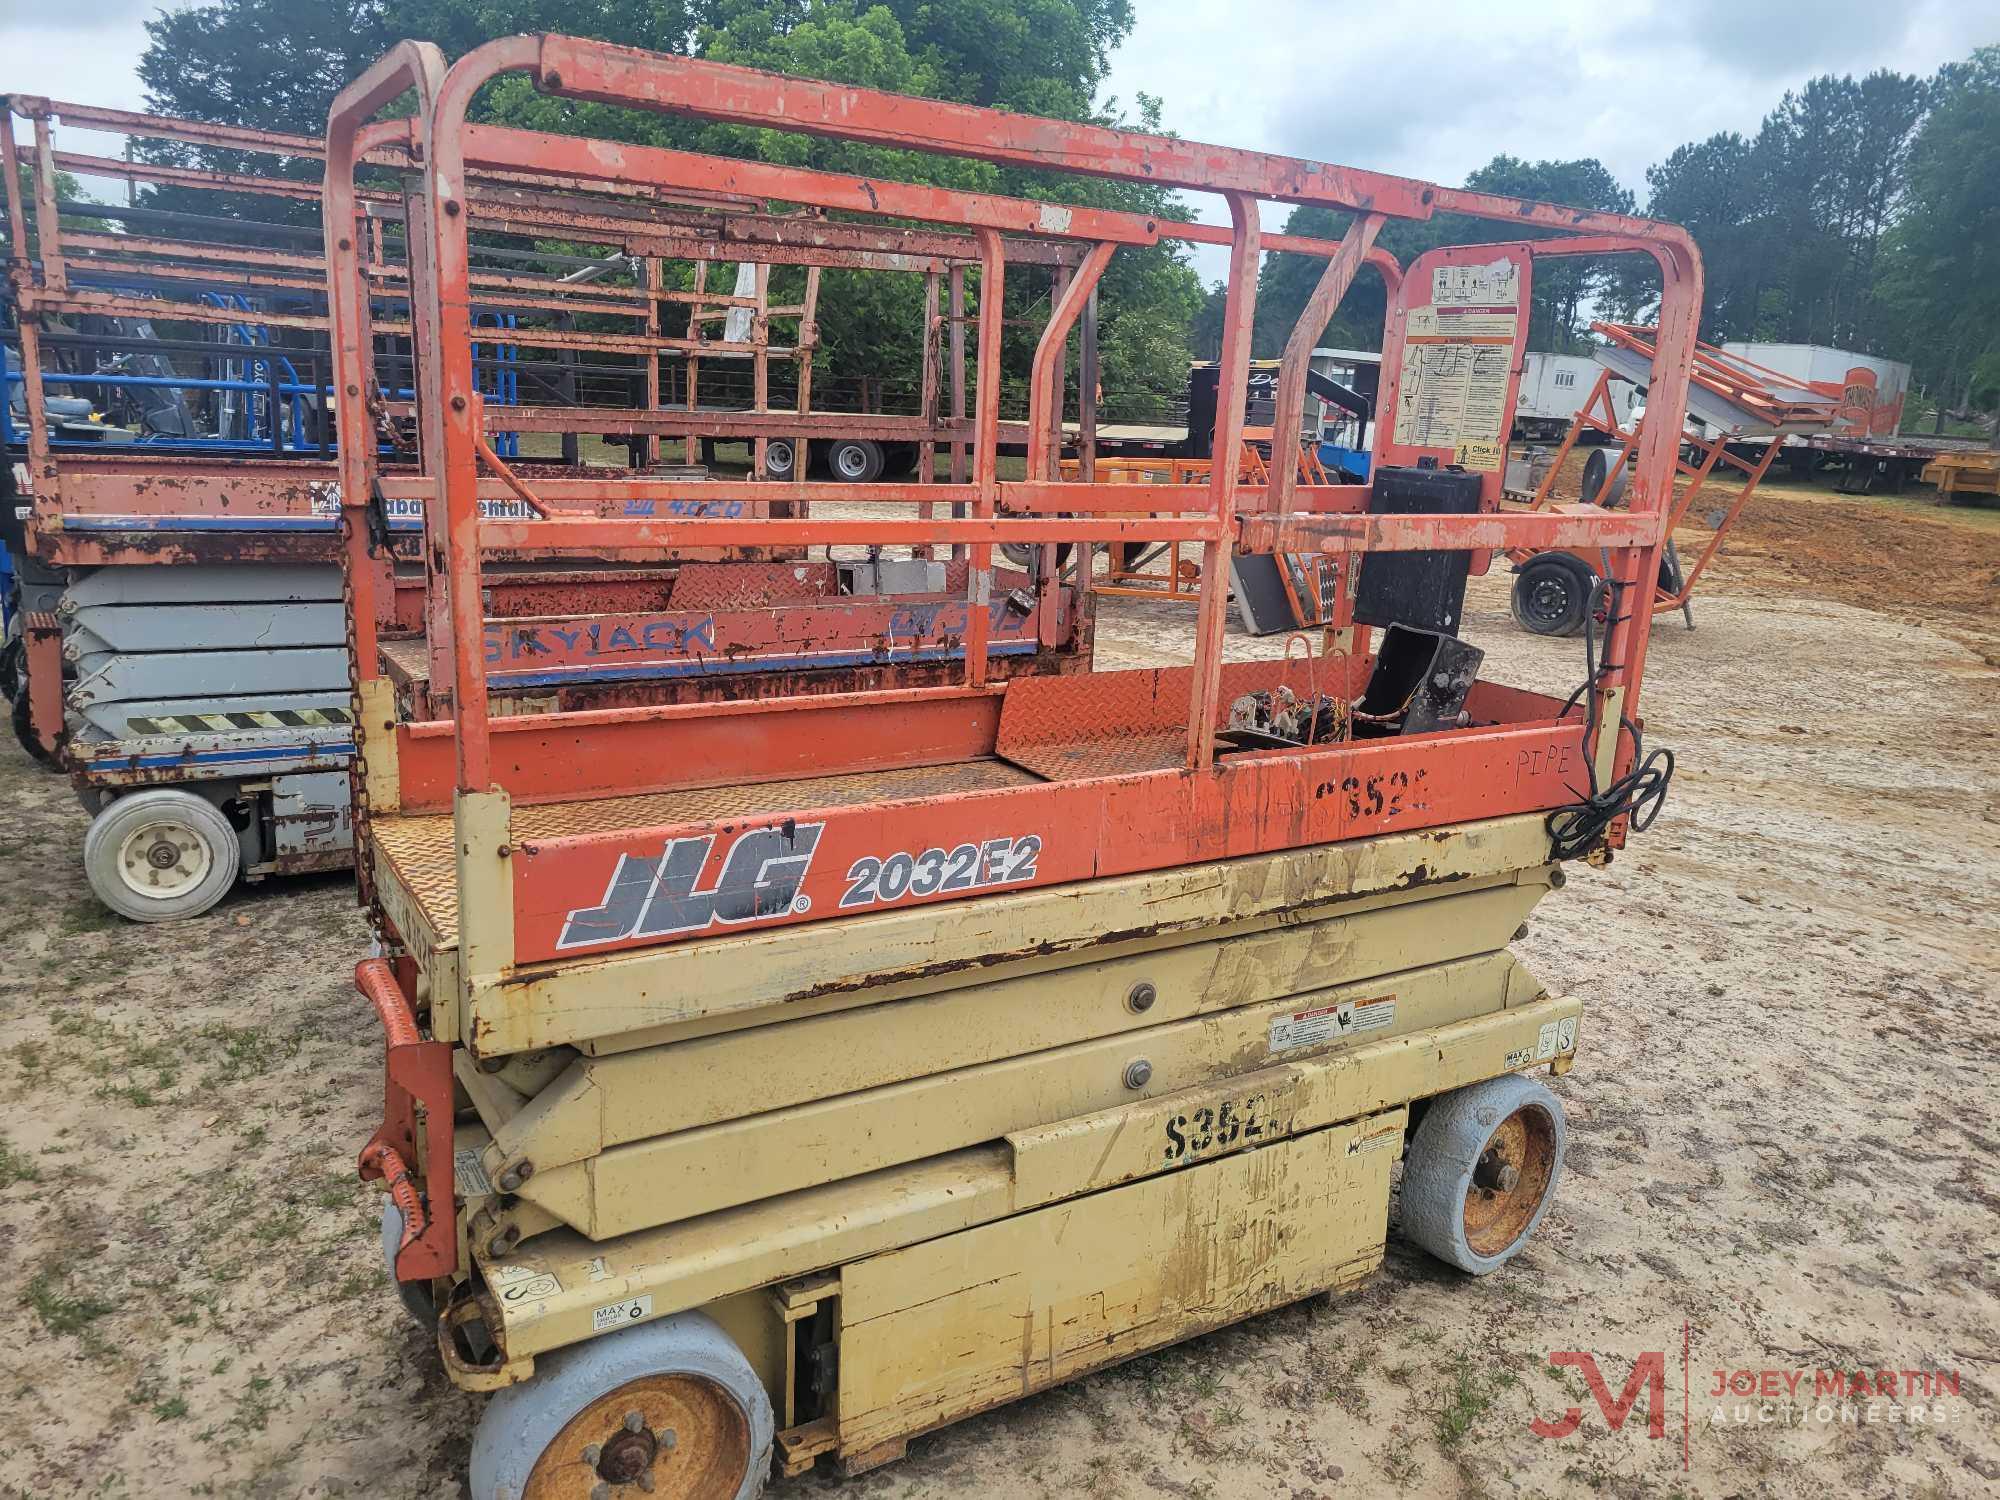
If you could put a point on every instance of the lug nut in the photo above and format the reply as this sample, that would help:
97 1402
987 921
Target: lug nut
1138 1073
635 1421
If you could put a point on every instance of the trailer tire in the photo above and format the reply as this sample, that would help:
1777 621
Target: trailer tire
161 854
855 460
21 715
1552 594
1455 1203
682 1376
781 458
414 1295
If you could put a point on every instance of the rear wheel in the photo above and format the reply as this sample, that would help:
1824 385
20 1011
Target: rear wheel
855 460
666 1408
1482 1170
161 854
1552 594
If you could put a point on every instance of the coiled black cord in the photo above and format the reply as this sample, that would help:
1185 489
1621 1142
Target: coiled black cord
1638 794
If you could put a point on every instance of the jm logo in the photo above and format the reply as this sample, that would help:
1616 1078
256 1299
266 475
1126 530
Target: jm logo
761 877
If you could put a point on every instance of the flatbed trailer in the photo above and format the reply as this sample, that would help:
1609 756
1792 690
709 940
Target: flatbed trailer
777 1081
186 653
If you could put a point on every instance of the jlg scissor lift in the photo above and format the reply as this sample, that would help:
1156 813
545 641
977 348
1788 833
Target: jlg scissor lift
779 1079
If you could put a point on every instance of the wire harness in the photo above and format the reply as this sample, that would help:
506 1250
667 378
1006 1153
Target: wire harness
1639 794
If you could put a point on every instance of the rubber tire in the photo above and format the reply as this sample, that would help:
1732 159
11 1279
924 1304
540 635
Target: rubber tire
109 828
1594 469
865 469
414 1295
21 717
1554 567
522 1420
1437 1173
781 458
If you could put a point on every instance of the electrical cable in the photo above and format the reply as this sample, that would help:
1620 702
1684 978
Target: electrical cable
1640 792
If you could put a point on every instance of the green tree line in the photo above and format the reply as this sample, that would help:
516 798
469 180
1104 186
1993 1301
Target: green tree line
1863 213
278 64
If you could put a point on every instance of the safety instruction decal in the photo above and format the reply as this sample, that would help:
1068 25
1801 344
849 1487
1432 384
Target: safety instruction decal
1328 1023
1453 393
519 1284
1497 281
618 1314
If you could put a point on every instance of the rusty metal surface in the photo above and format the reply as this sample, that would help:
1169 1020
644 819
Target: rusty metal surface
751 585
420 850
1089 822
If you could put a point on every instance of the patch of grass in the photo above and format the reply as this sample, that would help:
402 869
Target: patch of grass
15 1166
1462 1402
1400 1467
287 1223
60 1312
254 1406
242 1052
89 916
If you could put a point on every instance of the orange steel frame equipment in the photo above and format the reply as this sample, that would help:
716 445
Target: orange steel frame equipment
1125 772
1728 377
1159 798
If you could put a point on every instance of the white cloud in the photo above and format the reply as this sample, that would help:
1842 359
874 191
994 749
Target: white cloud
1437 92
1430 92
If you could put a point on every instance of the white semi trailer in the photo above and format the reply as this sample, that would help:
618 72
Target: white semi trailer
1553 387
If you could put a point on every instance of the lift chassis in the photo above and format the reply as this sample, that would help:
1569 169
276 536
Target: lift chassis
784 1079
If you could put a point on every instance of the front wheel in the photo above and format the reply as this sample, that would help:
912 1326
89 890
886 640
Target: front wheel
781 458
1482 1170
161 854
670 1408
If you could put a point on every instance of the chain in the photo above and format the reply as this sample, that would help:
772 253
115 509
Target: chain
357 776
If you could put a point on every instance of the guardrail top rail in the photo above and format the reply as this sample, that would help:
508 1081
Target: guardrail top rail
1137 807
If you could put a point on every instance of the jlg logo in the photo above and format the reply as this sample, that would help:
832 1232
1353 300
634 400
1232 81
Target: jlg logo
761 877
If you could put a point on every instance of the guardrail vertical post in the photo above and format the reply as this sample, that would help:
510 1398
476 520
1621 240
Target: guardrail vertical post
1231 383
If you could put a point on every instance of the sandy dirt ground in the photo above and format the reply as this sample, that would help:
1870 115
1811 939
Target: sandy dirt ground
1783 1120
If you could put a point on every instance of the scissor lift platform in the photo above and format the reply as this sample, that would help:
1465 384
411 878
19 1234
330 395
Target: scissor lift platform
778 1079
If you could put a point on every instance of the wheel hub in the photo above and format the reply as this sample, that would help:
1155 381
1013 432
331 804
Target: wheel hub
1548 599
629 1455
1509 1181
677 1435
162 859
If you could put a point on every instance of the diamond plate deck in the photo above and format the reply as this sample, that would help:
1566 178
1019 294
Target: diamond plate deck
418 851
1122 723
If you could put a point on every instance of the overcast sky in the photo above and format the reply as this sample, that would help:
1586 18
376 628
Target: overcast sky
1437 92
1431 93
